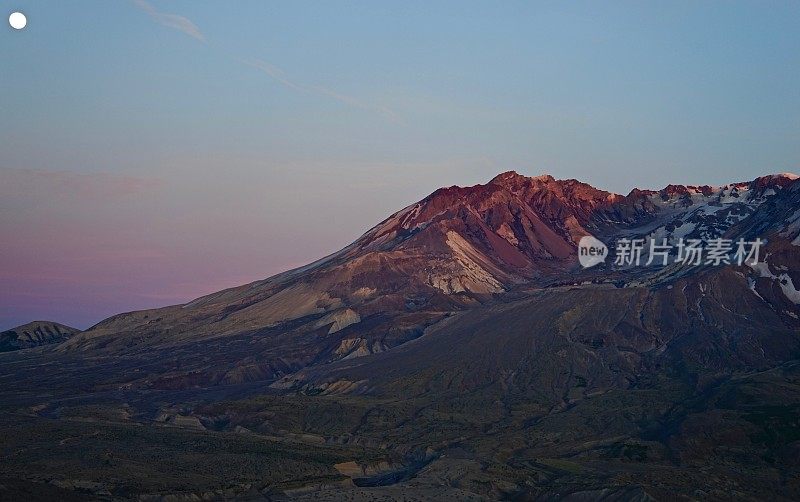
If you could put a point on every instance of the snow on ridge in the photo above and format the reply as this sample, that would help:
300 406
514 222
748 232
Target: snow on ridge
793 228
790 291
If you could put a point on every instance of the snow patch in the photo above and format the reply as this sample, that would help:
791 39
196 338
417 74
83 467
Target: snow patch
789 289
787 286
751 283
793 228
762 268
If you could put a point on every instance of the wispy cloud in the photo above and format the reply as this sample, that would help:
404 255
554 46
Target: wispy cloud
280 76
173 21
186 26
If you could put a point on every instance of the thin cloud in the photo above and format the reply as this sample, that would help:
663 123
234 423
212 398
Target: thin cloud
173 21
186 26
280 76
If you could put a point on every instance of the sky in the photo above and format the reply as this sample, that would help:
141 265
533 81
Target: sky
155 151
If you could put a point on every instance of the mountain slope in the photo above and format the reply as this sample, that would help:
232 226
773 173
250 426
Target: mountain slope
455 250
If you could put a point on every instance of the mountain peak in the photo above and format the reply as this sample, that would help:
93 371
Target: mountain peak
775 180
514 178
511 176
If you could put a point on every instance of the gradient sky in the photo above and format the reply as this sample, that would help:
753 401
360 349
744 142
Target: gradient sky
152 152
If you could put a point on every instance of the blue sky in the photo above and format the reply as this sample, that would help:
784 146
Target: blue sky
259 135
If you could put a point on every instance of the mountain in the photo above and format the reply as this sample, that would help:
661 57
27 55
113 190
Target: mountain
453 251
34 334
455 350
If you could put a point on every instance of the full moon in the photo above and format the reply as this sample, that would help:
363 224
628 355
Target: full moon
17 20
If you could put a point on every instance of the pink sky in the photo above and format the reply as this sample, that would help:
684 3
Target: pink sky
85 246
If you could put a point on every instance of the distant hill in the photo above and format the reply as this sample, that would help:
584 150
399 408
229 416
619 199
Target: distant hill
34 334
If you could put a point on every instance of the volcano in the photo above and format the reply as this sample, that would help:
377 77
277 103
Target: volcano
456 350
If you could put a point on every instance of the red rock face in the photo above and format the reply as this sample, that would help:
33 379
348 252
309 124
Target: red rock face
515 228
